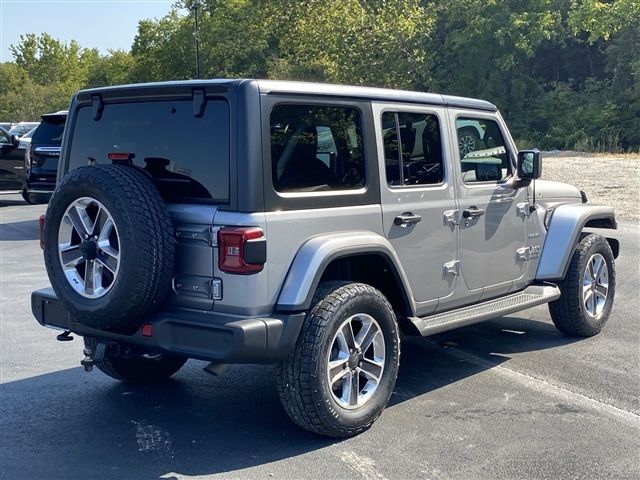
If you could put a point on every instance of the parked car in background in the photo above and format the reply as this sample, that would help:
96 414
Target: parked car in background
22 128
25 140
12 170
470 135
41 158
5 125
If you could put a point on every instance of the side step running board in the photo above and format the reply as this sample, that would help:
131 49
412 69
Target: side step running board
529 297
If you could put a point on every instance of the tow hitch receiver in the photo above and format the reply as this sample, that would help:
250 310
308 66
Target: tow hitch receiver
91 356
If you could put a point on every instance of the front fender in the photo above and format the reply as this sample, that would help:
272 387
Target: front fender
564 231
317 253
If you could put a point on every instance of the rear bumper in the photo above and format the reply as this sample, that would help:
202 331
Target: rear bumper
205 336
40 184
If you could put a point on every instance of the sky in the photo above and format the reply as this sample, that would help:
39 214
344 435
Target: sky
101 24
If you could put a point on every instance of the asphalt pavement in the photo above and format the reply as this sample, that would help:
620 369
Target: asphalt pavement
511 398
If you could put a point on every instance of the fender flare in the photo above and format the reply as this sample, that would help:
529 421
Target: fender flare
564 231
317 253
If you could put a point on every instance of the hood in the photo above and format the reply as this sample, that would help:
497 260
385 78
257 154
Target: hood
551 190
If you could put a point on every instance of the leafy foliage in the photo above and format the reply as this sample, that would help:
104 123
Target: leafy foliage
565 73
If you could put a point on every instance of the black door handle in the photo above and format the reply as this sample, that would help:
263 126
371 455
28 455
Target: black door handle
406 218
472 212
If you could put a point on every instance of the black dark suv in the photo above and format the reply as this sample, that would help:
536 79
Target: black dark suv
41 158
11 161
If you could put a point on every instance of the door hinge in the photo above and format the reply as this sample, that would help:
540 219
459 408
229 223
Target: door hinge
524 209
452 268
202 287
196 233
451 216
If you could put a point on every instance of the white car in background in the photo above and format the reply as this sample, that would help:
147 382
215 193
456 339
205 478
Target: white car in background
470 133
25 140
22 128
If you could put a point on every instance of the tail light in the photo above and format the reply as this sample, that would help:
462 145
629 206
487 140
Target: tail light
41 224
120 156
241 250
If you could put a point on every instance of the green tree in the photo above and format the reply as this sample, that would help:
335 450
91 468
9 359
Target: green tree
367 43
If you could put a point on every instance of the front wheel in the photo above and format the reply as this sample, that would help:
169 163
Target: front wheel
587 290
342 371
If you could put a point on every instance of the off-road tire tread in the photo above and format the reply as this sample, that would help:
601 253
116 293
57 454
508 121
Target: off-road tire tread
566 312
294 380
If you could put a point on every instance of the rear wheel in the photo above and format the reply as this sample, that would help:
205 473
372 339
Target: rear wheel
342 372
587 290
143 369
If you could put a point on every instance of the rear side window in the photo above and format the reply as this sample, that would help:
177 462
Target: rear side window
50 130
484 156
316 148
417 158
188 156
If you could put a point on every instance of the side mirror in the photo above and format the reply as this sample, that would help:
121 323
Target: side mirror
529 164
15 140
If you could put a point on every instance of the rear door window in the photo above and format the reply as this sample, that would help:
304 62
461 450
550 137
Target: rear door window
316 148
188 156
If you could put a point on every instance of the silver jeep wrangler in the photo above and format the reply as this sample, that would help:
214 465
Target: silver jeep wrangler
306 225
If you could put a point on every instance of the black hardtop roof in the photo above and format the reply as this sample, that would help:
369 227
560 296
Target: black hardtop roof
307 88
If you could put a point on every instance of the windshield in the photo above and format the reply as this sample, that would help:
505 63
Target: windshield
30 133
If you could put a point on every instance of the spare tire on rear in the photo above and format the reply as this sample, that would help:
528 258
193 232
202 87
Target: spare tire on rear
109 246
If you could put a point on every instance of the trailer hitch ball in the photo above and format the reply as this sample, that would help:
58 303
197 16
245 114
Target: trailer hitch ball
92 356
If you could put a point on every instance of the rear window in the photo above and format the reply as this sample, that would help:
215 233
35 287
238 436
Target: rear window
187 155
316 148
50 130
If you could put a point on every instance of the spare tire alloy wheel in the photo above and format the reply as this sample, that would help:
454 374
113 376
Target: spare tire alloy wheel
89 247
356 361
109 246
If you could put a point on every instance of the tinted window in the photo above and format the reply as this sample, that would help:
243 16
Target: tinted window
484 156
316 148
4 137
417 158
193 165
50 130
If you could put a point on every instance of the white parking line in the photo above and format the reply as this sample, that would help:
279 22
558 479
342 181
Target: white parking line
363 466
545 387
